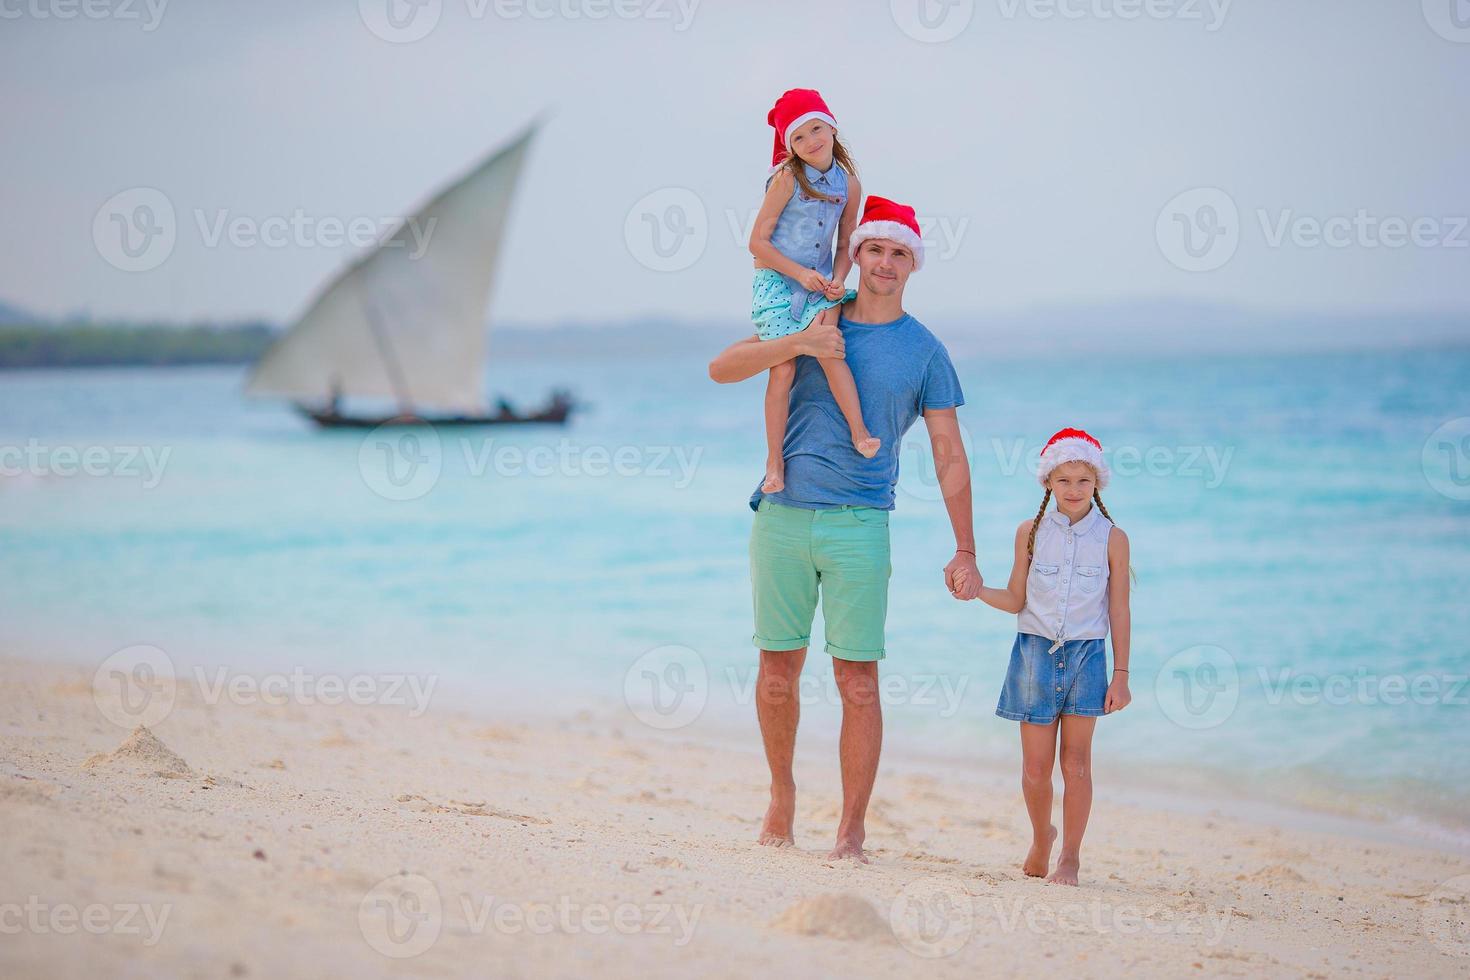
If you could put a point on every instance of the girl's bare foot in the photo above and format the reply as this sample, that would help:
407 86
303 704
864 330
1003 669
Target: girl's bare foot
775 479
1066 872
867 445
1038 859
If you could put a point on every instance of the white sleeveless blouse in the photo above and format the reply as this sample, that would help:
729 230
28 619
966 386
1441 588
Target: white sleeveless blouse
1067 587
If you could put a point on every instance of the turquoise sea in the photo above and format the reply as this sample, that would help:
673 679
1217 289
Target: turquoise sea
1300 528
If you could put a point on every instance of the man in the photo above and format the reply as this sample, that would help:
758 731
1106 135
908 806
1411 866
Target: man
827 530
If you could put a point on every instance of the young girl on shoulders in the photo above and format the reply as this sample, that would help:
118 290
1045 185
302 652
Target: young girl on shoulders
812 197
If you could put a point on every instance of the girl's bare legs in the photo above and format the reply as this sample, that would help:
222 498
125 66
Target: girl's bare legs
778 405
844 389
1038 752
1077 798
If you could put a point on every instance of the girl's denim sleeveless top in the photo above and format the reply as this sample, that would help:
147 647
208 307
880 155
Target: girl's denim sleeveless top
1067 588
807 226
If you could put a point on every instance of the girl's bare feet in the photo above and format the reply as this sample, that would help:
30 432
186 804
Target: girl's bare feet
1066 872
1038 859
775 477
866 445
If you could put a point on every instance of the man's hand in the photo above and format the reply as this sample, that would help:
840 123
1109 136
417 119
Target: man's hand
835 290
821 340
962 577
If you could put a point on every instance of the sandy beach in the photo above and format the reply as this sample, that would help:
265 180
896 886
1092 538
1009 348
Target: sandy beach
294 840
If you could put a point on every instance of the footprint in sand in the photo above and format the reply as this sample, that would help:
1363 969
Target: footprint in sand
413 801
26 791
1274 874
496 733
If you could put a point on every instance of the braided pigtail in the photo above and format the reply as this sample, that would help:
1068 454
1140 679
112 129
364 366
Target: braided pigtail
1097 498
1040 513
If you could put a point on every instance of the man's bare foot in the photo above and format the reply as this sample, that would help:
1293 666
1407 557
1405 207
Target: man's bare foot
848 849
776 831
849 846
1066 872
775 480
866 445
1038 859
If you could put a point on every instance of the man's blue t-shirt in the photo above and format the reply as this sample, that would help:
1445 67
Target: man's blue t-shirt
901 370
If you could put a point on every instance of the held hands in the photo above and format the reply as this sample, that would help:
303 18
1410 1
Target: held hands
962 578
1117 697
835 290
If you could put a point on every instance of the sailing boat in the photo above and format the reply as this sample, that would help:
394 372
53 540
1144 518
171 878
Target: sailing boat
407 320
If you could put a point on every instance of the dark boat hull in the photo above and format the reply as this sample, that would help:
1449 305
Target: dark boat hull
555 415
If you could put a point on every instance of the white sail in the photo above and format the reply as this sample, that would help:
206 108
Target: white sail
407 321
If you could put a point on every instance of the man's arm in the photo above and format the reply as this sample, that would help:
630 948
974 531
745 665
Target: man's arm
749 357
952 466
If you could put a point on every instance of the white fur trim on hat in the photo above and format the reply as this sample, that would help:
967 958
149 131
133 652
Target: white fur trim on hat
1073 450
802 120
893 231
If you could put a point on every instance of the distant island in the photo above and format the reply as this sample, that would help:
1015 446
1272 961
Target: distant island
88 344
1159 327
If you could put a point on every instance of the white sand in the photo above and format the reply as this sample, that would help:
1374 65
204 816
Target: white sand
308 841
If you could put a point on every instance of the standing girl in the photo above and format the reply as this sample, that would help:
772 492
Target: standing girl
1069 584
812 195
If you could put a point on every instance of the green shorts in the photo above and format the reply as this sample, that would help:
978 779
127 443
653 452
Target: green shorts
844 551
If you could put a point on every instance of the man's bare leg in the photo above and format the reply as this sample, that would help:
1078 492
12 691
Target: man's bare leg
1038 752
778 708
1077 794
862 741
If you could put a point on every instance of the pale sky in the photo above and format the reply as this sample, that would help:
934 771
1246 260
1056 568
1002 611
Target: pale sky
1041 142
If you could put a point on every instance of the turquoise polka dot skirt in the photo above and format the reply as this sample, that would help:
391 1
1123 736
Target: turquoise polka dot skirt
780 306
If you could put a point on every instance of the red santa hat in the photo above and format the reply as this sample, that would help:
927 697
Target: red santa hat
1073 445
794 109
883 218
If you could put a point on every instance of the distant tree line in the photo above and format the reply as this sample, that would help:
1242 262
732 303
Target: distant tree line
94 344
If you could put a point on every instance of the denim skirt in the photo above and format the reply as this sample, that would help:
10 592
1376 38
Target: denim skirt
1042 683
